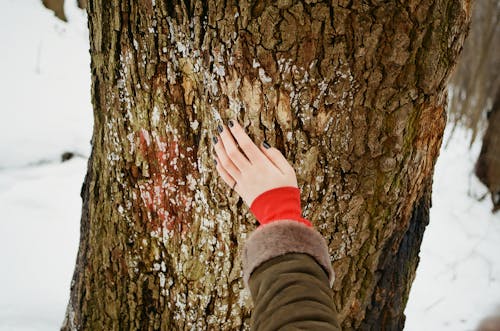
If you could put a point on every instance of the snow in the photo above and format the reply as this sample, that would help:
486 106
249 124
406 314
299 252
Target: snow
39 231
45 84
46 111
458 278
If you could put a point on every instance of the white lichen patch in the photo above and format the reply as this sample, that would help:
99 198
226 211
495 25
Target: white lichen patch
219 70
216 114
131 141
194 125
162 234
161 275
264 77
155 116
132 261
192 183
124 77
180 304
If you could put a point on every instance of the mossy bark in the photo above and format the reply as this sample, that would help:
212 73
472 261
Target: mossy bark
353 94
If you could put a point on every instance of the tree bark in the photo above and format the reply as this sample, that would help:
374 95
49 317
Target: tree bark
352 92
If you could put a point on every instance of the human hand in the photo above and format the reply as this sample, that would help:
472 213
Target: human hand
256 170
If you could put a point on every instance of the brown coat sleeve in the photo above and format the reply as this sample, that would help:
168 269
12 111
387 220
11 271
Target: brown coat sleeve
287 269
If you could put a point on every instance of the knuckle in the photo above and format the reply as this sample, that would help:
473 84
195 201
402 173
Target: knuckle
225 162
232 152
246 144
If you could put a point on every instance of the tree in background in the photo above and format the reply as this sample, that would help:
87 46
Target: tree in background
488 162
476 82
352 92
475 92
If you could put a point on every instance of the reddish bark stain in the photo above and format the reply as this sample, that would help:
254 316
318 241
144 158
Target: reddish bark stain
165 194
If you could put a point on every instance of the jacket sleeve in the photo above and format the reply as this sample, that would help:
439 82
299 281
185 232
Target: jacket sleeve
287 268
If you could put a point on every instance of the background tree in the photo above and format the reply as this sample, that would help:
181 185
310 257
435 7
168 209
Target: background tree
352 92
488 163
476 82
475 92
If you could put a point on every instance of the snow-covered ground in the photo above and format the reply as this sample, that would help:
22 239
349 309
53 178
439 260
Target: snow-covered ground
458 278
46 111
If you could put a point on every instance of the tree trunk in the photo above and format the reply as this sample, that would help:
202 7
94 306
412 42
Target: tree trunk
353 94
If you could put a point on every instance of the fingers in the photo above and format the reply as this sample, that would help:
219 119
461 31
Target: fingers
277 158
226 177
231 148
233 163
246 144
223 159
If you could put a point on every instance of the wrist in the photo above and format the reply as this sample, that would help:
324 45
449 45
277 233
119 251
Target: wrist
278 204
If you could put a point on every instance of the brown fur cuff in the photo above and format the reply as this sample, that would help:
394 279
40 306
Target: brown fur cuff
280 237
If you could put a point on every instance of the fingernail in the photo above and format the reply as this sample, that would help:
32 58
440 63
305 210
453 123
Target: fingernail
266 145
215 140
231 123
220 128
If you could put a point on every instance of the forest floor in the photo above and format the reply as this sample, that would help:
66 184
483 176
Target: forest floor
46 111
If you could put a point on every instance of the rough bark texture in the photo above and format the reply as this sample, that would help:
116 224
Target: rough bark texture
353 94
488 162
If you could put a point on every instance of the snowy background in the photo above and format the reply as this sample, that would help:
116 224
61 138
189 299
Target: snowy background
46 111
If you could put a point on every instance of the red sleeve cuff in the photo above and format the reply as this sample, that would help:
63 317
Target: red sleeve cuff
278 204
